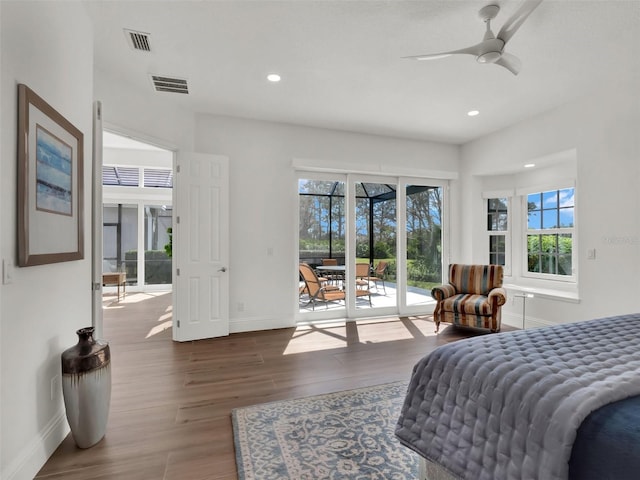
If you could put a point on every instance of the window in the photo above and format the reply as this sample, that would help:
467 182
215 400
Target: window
120 176
321 222
158 178
498 229
130 177
550 232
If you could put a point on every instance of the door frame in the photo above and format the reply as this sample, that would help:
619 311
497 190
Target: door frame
350 178
97 216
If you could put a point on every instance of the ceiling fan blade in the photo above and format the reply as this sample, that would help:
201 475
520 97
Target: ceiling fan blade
475 50
510 62
512 25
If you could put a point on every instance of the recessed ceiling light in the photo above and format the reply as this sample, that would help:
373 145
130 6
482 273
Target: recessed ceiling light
274 77
473 113
530 165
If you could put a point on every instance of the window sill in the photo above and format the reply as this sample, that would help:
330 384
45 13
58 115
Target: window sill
549 293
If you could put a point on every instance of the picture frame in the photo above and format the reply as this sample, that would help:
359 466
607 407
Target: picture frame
50 184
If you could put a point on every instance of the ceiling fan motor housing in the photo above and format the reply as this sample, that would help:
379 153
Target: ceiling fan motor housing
489 57
491 51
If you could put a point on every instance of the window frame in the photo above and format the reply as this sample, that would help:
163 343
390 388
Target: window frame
557 231
508 196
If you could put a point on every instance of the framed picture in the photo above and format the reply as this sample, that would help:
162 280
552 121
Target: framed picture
50 184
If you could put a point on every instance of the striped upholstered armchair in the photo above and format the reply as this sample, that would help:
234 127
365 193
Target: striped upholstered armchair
472 298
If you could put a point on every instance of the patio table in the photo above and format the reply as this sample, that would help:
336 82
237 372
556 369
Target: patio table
337 271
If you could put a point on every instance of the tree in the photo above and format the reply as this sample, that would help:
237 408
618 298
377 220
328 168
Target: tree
424 234
168 248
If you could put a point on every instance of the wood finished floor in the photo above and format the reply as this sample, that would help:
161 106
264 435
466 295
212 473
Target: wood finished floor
171 403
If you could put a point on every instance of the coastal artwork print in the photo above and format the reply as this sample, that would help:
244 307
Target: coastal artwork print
53 173
50 183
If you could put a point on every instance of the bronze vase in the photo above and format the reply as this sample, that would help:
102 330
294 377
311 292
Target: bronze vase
86 387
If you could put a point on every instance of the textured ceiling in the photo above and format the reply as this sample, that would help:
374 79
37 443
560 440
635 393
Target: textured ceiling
341 60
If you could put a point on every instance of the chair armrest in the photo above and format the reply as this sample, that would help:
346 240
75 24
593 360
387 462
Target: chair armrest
443 291
500 295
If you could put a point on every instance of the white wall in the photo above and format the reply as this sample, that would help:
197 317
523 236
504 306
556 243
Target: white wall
603 129
49 47
146 115
137 158
263 199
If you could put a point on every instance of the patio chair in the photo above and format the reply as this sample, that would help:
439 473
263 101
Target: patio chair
362 275
362 281
316 290
378 275
331 277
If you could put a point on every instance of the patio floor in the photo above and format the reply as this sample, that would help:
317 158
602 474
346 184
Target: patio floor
415 296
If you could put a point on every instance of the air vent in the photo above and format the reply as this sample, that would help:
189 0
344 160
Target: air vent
169 84
138 40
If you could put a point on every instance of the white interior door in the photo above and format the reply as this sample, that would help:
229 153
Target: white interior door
201 247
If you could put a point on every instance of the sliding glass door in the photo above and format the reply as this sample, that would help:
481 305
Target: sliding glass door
423 251
120 236
157 249
376 244
373 244
321 225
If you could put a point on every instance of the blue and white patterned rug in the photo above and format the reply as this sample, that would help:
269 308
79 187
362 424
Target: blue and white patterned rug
343 435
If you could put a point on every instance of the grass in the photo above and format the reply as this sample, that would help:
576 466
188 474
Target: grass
423 285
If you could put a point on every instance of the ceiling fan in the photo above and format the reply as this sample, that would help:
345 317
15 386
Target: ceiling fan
491 48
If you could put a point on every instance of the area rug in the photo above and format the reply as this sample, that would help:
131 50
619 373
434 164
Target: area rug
344 435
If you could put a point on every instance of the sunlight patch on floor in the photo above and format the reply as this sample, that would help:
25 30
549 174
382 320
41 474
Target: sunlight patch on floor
320 336
160 328
111 306
112 301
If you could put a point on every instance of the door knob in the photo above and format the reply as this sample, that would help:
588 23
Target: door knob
223 269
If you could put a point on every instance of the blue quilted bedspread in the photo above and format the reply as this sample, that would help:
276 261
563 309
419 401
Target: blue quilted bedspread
509 405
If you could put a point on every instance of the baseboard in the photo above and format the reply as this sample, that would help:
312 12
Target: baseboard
515 320
31 459
252 324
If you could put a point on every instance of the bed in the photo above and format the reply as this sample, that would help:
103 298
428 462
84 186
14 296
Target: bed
560 402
